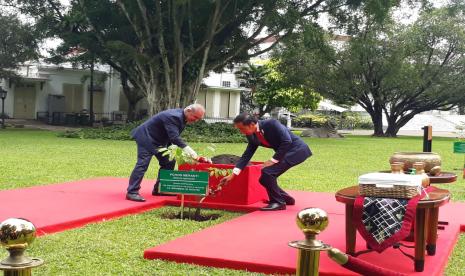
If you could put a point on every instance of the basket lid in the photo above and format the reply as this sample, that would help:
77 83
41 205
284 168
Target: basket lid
390 179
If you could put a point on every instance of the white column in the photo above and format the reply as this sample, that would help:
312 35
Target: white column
216 103
238 102
9 100
288 120
112 92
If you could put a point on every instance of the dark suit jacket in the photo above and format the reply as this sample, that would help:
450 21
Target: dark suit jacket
161 130
287 146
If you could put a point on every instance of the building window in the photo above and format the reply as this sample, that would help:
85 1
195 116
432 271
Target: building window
226 84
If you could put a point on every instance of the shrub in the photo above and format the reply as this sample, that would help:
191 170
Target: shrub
350 120
198 132
212 133
346 120
310 120
366 124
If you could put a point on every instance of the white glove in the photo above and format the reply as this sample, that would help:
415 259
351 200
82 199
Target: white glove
189 151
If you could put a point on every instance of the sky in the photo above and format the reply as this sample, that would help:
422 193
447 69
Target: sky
405 15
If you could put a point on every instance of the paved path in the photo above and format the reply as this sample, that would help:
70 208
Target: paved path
400 133
34 124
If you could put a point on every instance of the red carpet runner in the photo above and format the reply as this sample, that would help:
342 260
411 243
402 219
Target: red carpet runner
258 241
58 207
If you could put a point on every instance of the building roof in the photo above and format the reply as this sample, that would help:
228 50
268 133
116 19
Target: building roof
327 105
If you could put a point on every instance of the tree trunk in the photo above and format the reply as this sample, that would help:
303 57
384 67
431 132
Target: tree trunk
461 109
392 130
154 102
188 95
159 97
377 125
91 94
132 95
377 118
395 123
131 111
246 102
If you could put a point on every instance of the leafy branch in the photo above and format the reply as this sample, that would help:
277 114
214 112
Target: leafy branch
176 153
216 172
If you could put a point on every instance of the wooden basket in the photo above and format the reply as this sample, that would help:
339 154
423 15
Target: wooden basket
394 191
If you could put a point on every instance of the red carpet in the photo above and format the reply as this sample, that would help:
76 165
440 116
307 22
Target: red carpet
58 207
258 241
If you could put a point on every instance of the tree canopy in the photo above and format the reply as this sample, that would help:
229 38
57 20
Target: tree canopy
269 89
251 76
18 44
387 68
165 48
278 92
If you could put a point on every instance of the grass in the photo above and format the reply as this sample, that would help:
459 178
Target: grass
115 247
31 158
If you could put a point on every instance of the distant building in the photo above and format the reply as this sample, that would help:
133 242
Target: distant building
44 91
29 96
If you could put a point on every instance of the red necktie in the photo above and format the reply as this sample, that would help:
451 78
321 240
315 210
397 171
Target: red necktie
261 138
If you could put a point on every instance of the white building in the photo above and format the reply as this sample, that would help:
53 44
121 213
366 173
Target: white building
44 90
222 97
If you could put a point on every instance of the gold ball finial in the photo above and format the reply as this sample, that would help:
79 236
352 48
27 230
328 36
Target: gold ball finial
17 233
312 220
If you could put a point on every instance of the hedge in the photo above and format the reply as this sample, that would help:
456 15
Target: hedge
197 132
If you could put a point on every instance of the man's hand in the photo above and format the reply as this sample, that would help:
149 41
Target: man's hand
225 180
267 163
202 159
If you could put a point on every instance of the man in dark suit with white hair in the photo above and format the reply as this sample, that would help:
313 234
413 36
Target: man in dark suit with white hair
289 149
162 130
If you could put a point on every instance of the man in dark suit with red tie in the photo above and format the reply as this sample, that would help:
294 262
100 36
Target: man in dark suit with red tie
289 149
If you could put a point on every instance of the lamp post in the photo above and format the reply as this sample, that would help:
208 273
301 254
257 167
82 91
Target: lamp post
3 96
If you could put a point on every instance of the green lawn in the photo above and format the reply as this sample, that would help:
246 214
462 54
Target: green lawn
31 158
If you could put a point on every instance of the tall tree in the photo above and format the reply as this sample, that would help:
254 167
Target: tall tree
388 68
172 44
80 48
133 95
18 44
252 77
277 91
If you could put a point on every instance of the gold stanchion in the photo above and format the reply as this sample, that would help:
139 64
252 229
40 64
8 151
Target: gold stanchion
311 221
16 235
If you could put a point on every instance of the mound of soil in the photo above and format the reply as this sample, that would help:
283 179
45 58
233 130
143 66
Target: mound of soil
229 159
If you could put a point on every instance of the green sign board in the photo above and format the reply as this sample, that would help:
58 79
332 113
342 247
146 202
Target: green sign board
183 182
459 147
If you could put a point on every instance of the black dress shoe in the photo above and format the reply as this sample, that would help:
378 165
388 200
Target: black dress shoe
274 207
155 193
135 197
290 201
